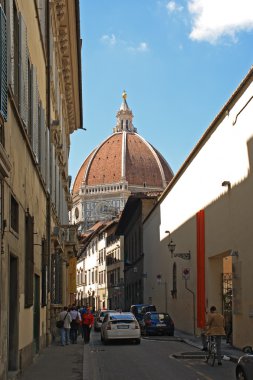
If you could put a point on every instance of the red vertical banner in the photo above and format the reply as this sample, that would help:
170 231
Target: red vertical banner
201 291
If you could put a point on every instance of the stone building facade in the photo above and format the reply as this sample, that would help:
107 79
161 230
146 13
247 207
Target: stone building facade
40 106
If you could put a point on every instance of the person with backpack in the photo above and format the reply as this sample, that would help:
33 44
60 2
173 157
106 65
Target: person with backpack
66 318
76 317
87 323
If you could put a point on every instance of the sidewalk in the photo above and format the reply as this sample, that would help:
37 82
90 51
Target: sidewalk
227 350
57 363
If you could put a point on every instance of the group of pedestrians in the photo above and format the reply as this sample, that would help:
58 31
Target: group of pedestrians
74 321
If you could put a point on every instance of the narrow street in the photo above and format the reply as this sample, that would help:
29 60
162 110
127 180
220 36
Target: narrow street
153 359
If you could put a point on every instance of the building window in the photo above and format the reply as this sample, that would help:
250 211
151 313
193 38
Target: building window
14 215
56 278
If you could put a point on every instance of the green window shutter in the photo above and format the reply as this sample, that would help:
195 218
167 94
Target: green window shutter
10 16
35 113
43 144
3 65
23 71
47 156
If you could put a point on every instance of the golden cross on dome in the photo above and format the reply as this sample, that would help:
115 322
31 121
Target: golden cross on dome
124 95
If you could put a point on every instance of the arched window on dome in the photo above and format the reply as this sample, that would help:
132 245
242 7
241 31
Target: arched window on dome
121 124
127 125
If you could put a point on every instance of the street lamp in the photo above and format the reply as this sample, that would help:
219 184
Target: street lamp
184 255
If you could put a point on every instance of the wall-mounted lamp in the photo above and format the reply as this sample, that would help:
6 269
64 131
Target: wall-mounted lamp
226 183
184 256
234 253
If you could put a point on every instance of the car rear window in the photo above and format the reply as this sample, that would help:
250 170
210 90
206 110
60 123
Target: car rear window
122 317
159 316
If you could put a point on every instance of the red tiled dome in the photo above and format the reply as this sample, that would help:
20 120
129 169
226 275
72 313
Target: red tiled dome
142 164
124 156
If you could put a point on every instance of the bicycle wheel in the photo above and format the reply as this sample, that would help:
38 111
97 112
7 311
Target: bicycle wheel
213 354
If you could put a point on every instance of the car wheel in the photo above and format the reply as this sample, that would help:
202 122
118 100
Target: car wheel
240 374
106 342
137 341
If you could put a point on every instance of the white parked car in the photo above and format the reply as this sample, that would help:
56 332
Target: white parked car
120 325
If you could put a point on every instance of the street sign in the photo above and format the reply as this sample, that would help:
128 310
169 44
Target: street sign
186 273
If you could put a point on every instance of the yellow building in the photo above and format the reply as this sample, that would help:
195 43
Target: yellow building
40 106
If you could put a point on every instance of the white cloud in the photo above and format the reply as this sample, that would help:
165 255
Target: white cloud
172 6
141 48
109 40
212 20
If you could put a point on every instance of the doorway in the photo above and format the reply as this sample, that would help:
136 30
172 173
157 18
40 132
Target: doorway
227 297
13 312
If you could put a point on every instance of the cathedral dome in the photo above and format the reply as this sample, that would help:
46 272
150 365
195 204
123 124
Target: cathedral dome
125 156
123 164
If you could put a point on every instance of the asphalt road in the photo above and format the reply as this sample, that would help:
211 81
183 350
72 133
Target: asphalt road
151 360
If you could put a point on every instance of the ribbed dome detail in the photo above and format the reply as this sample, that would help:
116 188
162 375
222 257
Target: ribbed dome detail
124 156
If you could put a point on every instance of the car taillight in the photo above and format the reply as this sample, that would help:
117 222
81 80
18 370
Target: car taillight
109 326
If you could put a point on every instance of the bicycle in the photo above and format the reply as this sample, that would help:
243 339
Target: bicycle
211 350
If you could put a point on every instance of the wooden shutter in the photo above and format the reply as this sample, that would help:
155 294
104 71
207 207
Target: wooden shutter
35 107
43 143
11 44
23 71
47 157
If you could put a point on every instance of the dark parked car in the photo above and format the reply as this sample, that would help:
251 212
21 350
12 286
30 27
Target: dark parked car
244 368
155 323
140 309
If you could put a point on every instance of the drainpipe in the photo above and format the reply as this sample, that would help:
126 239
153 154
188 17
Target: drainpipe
193 301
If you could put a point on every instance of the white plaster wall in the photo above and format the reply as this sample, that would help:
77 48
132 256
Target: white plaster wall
224 156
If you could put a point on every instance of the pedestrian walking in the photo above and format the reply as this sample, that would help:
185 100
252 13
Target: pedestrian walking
82 311
87 323
76 318
215 327
65 329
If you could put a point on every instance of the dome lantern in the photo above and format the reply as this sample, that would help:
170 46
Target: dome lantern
124 117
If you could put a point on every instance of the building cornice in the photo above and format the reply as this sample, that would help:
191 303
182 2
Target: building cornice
68 37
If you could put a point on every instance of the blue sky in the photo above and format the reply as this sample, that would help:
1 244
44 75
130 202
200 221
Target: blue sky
179 62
